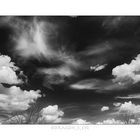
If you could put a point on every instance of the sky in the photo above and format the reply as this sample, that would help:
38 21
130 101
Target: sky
70 69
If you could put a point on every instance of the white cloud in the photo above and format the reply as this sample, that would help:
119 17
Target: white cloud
50 114
128 72
116 104
104 108
130 108
6 61
80 122
132 96
32 41
111 122
15 99
7 71
98 85
62 71
8 76
98 67
32 38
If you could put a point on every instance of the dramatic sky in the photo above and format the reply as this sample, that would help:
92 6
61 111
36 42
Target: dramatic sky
87 66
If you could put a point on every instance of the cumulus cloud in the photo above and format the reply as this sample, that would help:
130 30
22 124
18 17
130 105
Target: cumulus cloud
8 76
50 114
6 61
8 71
80 122
128 72
126 113
98 67
130 108
104 108
15 99
110 122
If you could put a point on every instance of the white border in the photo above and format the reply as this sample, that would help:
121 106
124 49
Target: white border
69 132
71 7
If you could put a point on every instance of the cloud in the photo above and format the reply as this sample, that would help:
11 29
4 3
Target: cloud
56 75
80 122
132 96
8 71
62 71
98 67
32 38
110 122
50 114
6 61
104 108
119 22
129 107
15 99
116 104
36 39
8 76
128 112
98 85
128 72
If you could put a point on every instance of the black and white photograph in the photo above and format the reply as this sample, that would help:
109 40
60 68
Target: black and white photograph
76 70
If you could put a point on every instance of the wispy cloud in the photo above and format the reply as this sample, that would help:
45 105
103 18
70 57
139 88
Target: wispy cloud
98 67
97 85
132 96
32 39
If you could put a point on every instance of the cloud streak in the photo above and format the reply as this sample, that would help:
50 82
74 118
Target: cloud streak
132 96
97 85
